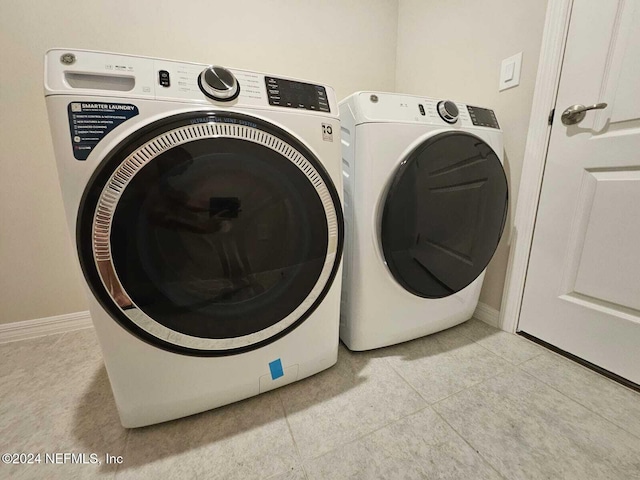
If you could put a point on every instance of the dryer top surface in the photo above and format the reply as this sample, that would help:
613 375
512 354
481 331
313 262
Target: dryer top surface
382 107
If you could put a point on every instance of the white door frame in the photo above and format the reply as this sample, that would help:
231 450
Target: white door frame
554 38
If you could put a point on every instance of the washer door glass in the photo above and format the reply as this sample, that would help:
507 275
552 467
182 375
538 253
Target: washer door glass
444 214
219 243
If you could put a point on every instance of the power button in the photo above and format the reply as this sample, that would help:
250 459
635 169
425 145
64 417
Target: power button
163 78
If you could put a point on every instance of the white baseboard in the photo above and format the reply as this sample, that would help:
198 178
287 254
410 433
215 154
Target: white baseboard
487 314
39 327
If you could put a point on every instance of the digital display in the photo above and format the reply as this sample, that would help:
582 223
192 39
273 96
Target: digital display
483 117
291 94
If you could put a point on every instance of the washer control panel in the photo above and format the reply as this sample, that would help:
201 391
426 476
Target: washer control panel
103 74
483 117
293 94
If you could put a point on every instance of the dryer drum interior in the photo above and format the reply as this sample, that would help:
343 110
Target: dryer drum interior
210 234
444 214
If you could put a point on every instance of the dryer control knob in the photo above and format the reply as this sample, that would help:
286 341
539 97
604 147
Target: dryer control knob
219 83
448 111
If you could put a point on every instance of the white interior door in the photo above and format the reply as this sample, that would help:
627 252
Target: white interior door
582 291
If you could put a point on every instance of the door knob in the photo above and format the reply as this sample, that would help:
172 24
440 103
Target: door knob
576 113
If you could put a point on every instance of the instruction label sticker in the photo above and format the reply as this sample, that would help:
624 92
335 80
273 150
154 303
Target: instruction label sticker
90 122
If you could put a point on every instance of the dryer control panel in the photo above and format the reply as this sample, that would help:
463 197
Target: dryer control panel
483 117
393 107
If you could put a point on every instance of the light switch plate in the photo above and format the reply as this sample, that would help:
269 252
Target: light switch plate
510 72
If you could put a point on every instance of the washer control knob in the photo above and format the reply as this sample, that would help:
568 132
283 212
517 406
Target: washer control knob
448 111
219 83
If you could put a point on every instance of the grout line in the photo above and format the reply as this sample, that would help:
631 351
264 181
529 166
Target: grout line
60 335
489 464
506 359
124 451
428 404
497 354
577 401
405 381
360 437
391 422
540 348
497 374
583 367
470 337
456 431
293 438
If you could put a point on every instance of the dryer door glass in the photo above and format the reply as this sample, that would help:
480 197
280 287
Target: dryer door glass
219 243
444 214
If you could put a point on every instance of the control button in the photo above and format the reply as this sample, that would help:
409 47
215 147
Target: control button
163 78
448 111
218 83
421 109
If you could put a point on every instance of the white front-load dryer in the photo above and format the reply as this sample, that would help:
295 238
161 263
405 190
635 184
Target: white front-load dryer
425 206
205 206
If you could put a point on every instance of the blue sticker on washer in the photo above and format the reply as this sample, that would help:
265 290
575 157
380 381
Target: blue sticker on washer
276 369
90 122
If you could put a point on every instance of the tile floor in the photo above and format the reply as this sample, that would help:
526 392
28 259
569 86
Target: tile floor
469 403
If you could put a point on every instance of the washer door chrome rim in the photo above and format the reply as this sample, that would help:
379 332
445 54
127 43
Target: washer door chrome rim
217 126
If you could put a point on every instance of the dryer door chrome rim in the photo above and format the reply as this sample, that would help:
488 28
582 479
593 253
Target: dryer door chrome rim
444 214
210 233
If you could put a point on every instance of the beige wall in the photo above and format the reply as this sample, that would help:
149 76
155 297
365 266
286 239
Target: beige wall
453 49
438 48
348 44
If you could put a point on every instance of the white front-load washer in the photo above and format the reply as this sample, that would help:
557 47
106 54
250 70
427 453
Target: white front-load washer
425 207
205 206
